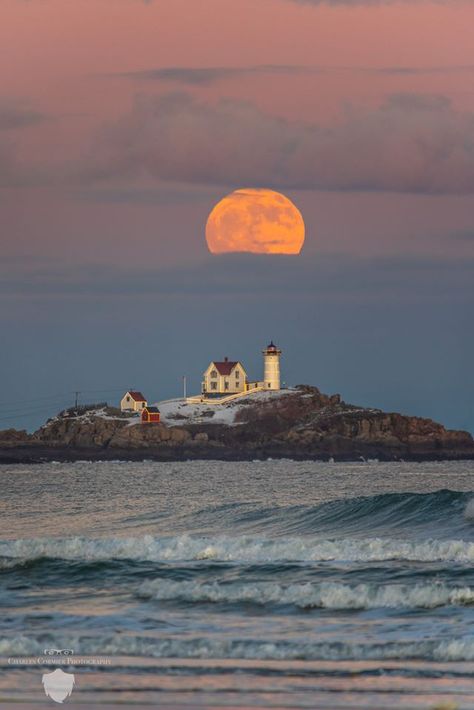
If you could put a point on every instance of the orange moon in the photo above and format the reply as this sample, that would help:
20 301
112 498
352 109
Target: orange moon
257 221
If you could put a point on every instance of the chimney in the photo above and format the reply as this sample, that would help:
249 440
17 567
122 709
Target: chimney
226 359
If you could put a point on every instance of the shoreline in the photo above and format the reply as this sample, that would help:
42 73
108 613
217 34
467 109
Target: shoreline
43 455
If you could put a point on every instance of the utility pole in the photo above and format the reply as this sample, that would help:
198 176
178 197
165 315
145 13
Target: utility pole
77 393
184 386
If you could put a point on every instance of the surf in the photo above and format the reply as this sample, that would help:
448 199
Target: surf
236 548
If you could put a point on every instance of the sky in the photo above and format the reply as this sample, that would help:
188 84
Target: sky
122 124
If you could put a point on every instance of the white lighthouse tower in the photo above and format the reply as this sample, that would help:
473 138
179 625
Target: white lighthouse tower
271 359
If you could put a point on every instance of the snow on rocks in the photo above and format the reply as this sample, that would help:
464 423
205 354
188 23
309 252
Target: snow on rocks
180 412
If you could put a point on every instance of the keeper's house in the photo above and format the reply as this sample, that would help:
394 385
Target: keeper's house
150 415
224 377
133 401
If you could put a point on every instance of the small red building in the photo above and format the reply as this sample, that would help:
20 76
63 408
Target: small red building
150 415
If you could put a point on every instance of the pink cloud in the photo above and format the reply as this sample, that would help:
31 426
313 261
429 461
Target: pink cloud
411 143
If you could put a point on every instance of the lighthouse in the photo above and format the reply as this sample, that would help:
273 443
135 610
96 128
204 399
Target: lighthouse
271 359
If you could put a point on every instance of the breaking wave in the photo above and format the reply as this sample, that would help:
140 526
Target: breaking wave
461 649
308 595
245 548
373 528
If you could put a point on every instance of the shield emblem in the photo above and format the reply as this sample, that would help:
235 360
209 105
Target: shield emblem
58 685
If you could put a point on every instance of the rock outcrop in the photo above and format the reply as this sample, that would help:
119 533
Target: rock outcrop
89 430
14 437
309 424
299 424
151 435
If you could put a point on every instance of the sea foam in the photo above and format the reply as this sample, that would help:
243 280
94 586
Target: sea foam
461 649
245 548
326 595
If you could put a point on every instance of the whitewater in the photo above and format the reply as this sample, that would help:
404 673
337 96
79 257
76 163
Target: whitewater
258 585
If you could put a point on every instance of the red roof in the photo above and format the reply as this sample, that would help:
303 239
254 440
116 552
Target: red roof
137 396
226 367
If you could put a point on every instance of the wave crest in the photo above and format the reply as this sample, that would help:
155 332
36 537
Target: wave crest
245 548
461 649
443 509
326 595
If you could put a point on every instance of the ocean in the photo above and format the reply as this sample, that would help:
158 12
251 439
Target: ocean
268 584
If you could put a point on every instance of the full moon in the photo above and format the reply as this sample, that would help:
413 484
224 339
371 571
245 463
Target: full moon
257 221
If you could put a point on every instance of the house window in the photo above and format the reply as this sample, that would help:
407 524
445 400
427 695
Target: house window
226 385
214 374
213 385
128 399
237 375
143 405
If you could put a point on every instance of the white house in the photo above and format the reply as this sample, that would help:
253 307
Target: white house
133 401
224 377
228 377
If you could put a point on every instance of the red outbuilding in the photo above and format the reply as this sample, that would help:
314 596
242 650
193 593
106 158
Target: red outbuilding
150 415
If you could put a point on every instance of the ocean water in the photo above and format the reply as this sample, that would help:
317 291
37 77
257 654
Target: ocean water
273 584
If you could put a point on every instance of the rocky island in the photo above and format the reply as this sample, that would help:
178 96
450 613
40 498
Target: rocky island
299 423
